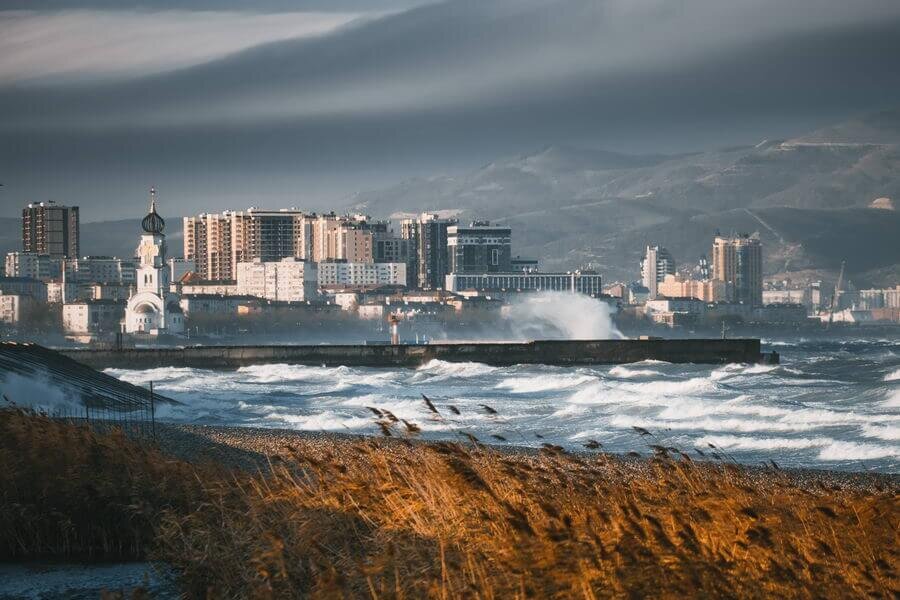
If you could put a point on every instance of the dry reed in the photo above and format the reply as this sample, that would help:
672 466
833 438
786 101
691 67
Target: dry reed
385 518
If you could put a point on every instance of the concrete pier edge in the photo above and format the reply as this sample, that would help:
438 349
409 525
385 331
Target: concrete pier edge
548 352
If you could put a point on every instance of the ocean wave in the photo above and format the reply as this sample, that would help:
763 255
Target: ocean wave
889 433
627 373
892 401
437 370
543 383
320 421
820 406
830 450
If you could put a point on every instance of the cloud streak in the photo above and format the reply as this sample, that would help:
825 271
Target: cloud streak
74 45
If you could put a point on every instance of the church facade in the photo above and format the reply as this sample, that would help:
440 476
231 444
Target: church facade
153 309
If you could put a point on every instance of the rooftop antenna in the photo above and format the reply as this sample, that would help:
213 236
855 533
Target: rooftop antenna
153 199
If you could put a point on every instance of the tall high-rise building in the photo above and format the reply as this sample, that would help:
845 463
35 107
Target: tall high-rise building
343 237
738 262
218 242
479 248
656 264
432 262
207 241
50 229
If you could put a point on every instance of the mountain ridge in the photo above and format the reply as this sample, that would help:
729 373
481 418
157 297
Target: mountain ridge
575 206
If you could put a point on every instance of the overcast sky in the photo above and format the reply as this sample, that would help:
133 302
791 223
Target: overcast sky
305 102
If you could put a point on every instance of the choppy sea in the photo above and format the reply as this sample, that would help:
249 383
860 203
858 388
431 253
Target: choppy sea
831 404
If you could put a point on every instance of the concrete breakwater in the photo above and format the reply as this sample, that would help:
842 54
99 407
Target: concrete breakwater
549 352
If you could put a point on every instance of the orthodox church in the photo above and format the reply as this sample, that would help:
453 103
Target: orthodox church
152 308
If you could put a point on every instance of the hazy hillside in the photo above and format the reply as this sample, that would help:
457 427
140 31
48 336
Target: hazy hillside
807 197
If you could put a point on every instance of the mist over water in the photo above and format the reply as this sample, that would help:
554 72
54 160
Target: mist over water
830 404
561 315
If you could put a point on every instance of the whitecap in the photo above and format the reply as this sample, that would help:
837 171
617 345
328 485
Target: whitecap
542 383
893 375
437 370
890 433
626 373
830 450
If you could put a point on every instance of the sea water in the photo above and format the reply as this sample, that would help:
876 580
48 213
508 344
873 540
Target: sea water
831 403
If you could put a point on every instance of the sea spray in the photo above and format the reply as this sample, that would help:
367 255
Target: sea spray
562 315
36 392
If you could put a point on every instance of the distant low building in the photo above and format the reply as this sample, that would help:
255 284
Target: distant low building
179 267
707 290
32 265
60 292
24 286
349 275
100 269
285 280
638 293
685 305
213 304
617 290
93 317
109 291
785 297
193 285
580 282
14 306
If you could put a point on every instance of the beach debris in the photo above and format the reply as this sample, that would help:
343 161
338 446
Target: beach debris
592 444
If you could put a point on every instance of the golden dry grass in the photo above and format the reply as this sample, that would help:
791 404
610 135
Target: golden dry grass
393 519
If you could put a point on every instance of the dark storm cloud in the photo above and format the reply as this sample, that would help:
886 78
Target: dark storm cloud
444 86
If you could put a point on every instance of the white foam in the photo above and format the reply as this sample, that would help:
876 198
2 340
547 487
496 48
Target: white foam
38 393
437 370
734 442
892 401
830 450
543 383
890 433
626 373
893 375
840 451
326 421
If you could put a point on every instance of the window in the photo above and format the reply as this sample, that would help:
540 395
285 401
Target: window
495 256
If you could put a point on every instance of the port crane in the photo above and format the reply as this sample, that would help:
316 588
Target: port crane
837 288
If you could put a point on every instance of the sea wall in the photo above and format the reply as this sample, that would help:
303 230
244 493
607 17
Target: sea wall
564 352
